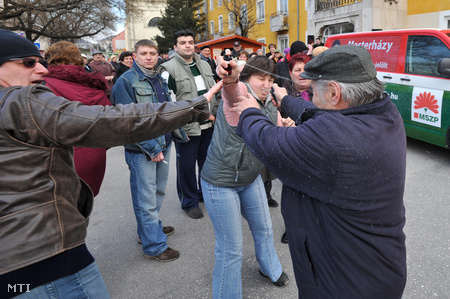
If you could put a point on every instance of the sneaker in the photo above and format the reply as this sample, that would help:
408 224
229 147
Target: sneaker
284 239
272 203
195 213
167 256
168 230
281 282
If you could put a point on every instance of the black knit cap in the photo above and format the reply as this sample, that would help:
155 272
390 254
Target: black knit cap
346 64
297 47
15 46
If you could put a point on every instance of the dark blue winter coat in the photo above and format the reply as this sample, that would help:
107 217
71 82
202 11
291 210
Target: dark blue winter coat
343 175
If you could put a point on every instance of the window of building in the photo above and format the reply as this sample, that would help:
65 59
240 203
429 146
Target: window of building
154 22
423 54
230 21
283 42
260 10
212 27
219 3
282 6
220 24
211 4
262 40
338 29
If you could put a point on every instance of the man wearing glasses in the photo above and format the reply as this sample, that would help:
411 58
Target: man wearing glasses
44 206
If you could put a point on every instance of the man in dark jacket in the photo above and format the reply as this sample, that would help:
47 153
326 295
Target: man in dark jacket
148 161
343 174
44 206
205 54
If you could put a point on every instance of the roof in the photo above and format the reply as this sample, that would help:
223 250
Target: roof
233 38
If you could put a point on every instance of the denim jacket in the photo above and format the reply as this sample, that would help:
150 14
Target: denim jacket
134 87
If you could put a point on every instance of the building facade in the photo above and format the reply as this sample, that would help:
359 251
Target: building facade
270 21
327 17
144 25
285 21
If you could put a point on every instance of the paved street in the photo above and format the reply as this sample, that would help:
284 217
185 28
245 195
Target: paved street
112 237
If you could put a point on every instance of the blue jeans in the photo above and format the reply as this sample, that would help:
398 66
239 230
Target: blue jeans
86 283
188 154
225 206
148 182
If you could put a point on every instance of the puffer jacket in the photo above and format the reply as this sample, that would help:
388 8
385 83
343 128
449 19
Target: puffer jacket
44 206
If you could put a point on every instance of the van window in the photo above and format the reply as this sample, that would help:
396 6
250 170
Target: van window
423 54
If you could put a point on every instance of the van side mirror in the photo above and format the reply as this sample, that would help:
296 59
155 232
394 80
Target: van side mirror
444 67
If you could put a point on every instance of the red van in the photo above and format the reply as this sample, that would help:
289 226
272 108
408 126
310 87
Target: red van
414 64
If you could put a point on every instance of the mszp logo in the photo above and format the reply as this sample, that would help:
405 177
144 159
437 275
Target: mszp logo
426 106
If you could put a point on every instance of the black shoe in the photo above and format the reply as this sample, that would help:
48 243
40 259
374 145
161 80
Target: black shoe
281 282
272 203
284 239
195 213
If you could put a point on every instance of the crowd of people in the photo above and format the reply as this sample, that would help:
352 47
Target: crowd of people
315 118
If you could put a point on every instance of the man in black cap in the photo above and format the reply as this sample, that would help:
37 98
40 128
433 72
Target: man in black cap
343 174
236 49
44 206
205 54
282 68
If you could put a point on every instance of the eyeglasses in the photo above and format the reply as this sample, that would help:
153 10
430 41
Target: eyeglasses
31 62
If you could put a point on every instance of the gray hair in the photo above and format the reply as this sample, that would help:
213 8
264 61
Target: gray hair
354 94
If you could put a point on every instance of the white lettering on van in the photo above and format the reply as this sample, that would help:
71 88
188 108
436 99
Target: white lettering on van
393 96
374 45
381 65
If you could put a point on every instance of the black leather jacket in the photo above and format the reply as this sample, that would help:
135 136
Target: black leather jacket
44 206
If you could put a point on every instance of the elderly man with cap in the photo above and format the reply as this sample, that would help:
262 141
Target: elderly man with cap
104 68
44 206
205 54
343 174
236 49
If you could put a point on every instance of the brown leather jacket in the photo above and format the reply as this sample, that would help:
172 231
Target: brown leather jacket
44 206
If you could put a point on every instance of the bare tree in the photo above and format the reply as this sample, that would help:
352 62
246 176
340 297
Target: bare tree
61 19
244 15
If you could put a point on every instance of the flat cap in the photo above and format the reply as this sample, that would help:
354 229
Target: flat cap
205 47
236 43
97 52
346 64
